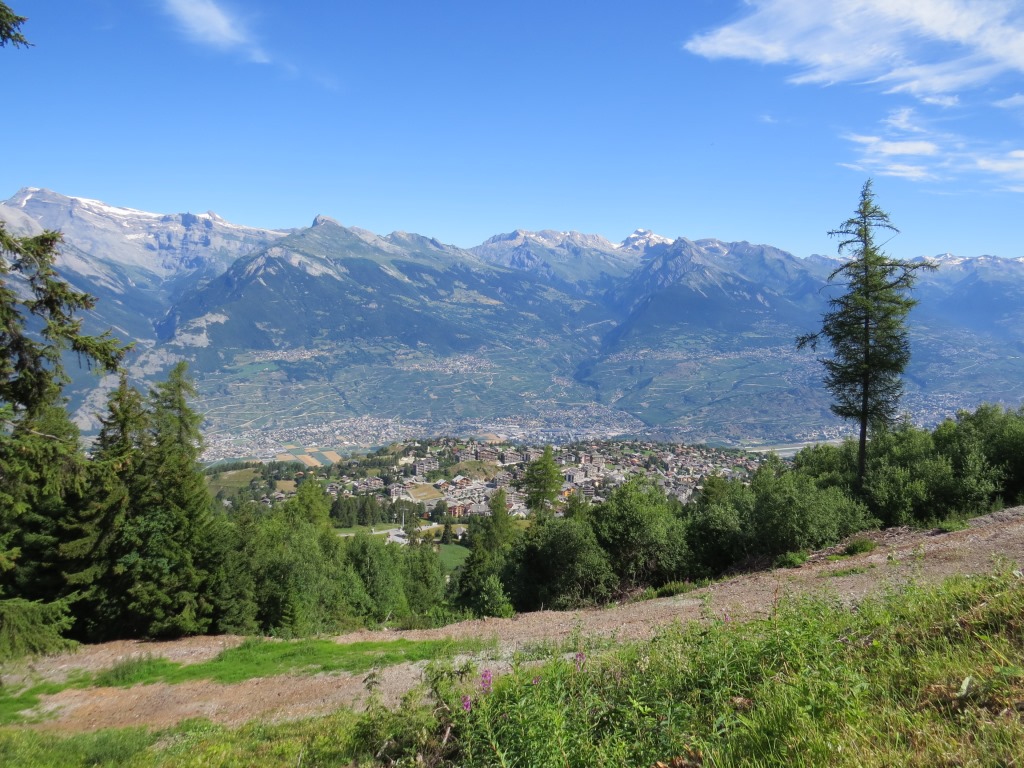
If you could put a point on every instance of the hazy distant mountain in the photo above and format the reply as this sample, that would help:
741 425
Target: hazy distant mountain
331 284
686 339
133 261
577 262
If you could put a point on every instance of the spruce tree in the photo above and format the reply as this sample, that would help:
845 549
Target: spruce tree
51 489
866 326
170 550
97 546
182 494
42 466
41 463
37 327
501 523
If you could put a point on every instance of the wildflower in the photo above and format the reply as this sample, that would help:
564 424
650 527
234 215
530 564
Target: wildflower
467 703
580 658
536 681
485 681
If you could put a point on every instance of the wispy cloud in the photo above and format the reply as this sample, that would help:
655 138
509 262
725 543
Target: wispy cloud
885 157
941 101
1011 102
1009 164
207 23
949 56
907 147
878 146
905 120
928 48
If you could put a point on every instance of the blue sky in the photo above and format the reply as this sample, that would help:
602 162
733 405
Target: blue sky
755 120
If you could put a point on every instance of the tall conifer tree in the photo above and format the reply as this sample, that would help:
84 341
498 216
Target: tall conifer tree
97 548
866 326
541 483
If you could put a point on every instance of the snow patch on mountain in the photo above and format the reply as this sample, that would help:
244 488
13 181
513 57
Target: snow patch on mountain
194 332
642 239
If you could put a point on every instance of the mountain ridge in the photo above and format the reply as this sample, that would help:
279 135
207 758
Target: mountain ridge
686 339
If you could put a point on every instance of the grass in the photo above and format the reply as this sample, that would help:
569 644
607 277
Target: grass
118 747
838 574
265 658
452 556
671 589
425 493
231 481
475 470
925 677
920 677
253 658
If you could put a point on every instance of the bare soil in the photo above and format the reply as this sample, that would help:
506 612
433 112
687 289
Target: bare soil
903 556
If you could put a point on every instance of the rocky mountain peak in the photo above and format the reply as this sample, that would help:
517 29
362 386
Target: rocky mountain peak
643 239
320 220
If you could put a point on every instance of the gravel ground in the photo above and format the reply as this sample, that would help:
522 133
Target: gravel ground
903 556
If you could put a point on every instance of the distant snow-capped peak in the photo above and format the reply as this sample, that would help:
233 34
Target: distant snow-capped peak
642 239
552 238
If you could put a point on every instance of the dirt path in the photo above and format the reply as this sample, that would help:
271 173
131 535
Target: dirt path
903 555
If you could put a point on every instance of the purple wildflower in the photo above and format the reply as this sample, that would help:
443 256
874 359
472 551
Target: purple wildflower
485 681
536 681
580 658
467 703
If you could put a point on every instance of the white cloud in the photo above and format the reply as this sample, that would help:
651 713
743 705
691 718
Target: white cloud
905 120
205 22
931 50
1011 102
928 48
877 146
904 171
1010 164
941 101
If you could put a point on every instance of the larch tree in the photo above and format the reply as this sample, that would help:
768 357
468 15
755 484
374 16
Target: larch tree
866 326
10 28
541 483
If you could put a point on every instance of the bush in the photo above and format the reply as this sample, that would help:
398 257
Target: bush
640 533
790 560
559 564
792 513
916 477
999 435
860 545
715 537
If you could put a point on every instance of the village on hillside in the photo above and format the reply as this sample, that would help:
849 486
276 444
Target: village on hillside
453 478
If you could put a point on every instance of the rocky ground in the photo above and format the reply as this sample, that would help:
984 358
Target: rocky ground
903 556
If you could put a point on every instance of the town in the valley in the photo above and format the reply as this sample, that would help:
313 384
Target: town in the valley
448 478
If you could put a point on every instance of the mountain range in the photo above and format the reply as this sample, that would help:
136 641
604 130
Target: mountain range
326 327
